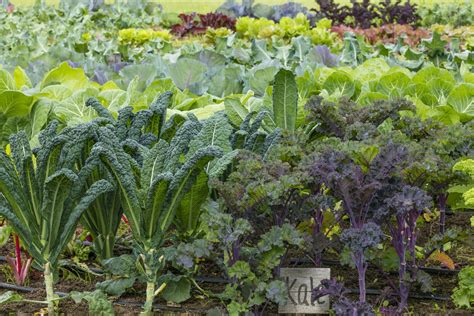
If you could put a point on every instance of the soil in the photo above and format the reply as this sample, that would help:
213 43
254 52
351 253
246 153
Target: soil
131 303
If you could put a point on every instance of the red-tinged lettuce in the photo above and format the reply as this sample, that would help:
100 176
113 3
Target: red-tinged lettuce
389 33
196 24
188 26
217 20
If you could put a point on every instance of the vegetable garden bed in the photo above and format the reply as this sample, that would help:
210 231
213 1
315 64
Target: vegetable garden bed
156 162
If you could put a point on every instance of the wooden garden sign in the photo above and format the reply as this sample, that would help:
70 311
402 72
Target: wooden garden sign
300 283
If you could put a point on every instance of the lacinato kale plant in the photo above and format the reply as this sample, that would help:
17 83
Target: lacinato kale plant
249 132
42 199
159 174
217 20
153 187
103 217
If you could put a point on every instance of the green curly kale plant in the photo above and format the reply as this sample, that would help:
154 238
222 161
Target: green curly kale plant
463 294
465 189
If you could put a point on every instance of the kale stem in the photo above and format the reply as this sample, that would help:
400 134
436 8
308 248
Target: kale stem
150 296
48 282
442 198
403 286
361 265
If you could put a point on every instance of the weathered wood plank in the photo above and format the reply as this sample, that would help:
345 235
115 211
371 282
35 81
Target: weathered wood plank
300 283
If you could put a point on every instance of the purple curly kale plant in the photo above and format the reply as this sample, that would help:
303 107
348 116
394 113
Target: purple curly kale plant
359 187
319 239
342 305
360 240
406 206
440 150
362 191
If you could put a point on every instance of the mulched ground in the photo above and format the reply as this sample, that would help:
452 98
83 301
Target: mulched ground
443 284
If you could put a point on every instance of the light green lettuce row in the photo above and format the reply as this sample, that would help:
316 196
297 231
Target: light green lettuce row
436 92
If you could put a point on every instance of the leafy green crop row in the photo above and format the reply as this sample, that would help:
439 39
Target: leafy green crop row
103 42
203 80
230 152
156 169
